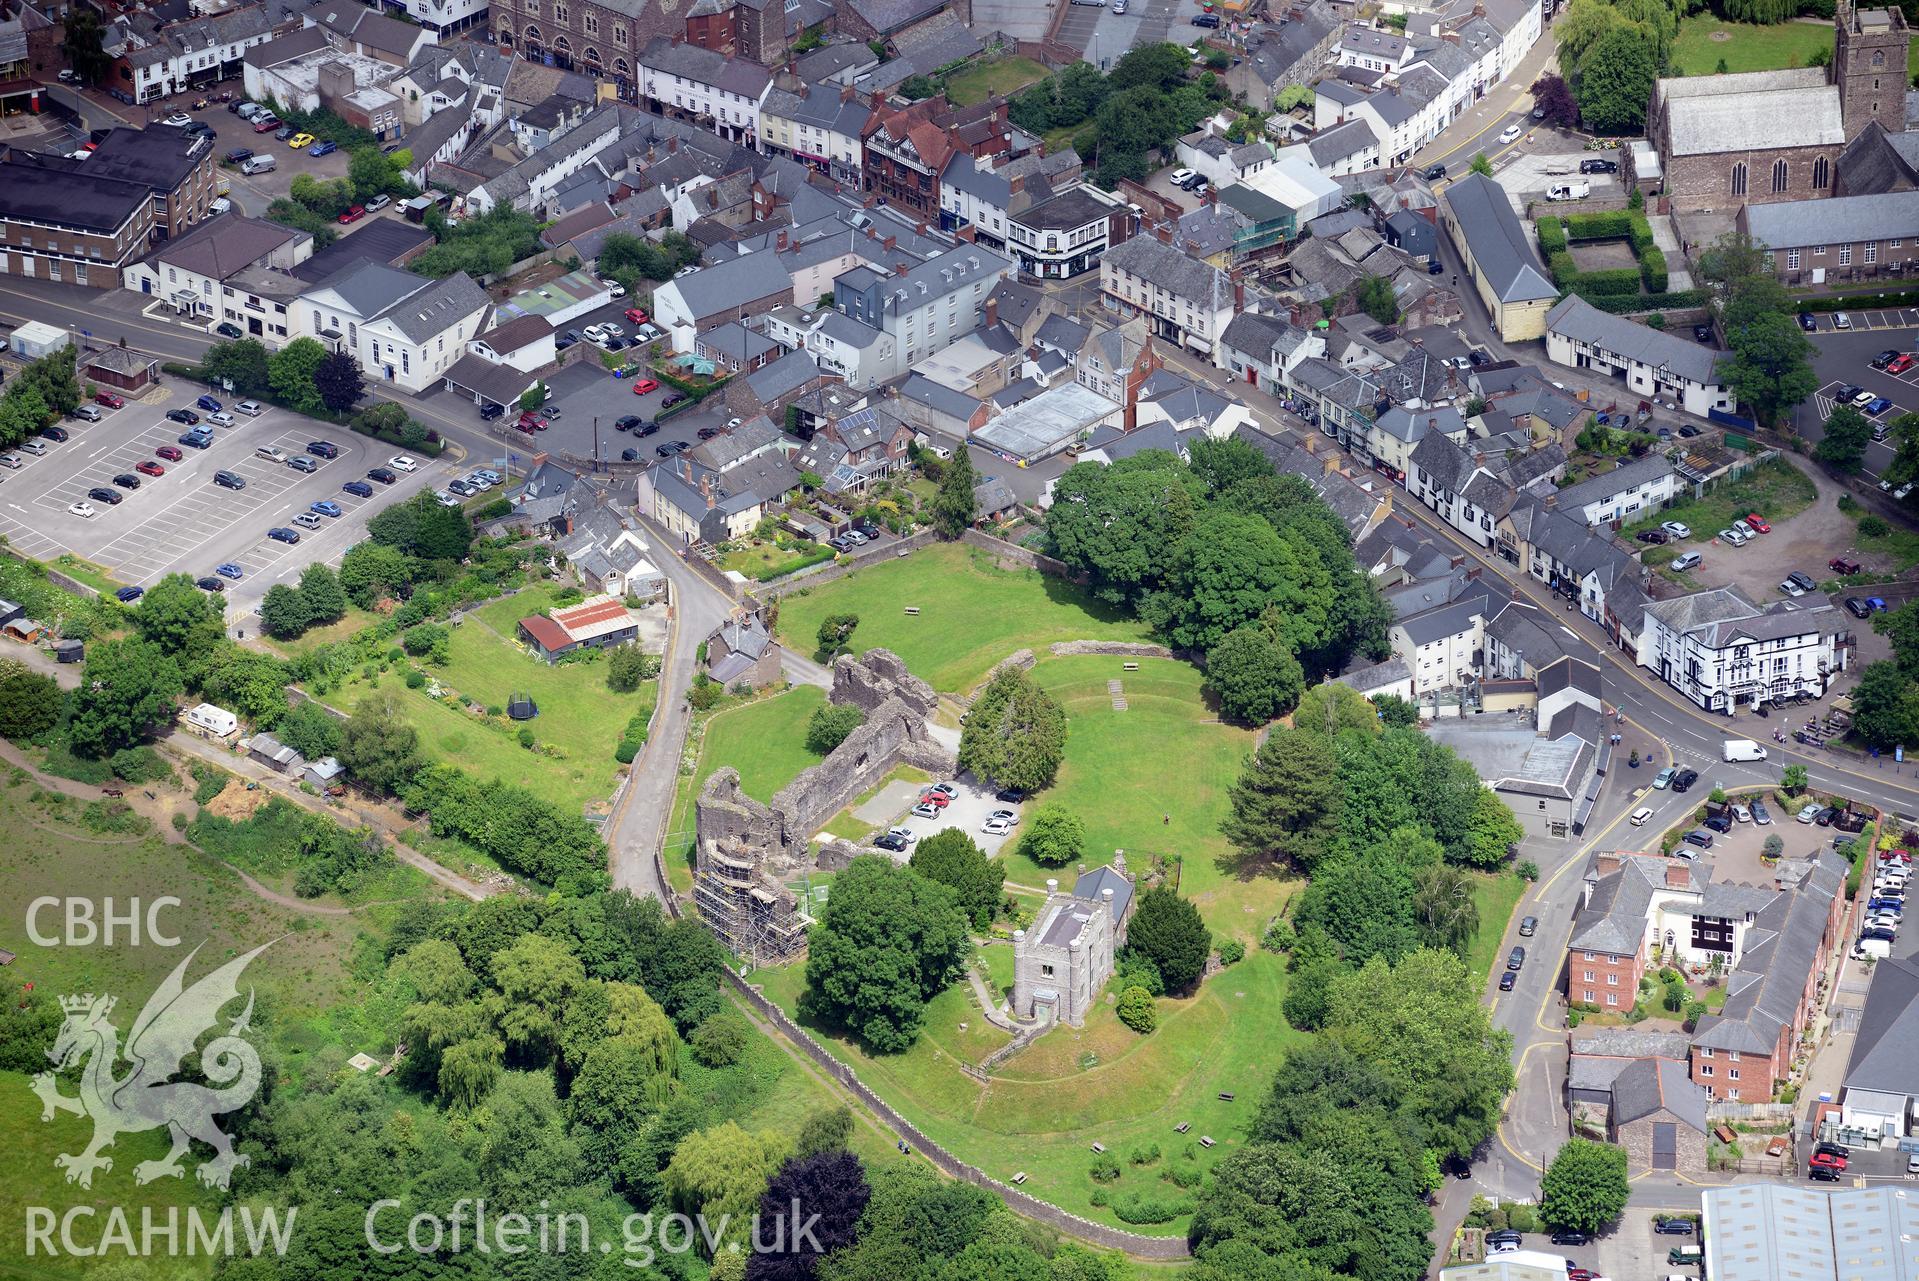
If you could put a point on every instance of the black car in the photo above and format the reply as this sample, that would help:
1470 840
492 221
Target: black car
1885 358
1858 608
197 440
1685 779
461 488
281 534
1570 1236
127 480
229 480
671 399
1699 837
491 411
323 449
707 433
1833 1149
1720 823
1846 393
888 841
1505 1236
1516 958
101 494
358 488
186 416
1011 795
238 154
1657 537
127 595
1508 980
1598 166
666 450
1822 1174
565 340
1435 172
1476 358
56 434
646 429
1806 322
1435 268
385 475
210 584
866 527
1825 816
1702 333
1688 431
626 422
629 455
1672 1227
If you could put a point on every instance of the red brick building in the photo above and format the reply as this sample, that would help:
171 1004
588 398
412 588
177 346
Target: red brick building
907 148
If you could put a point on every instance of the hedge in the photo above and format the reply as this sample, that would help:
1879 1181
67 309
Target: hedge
1853 302
1552 236
1652 269
1640 233
1565 271
1614 280
1613 224
1625 305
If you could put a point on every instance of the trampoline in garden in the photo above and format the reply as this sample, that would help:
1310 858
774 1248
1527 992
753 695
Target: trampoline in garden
521 707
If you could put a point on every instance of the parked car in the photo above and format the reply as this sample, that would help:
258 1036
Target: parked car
403 462
1841 320
325 507
358 488
1570 1236
1720 823
220 418
1884 358
209 584
1435 172
227 329
353 213
386 476
127 595
888 841
147 467
461 488
325 147
1900 363
1687 777
926 809
1509 134
645 385
1516 958
1528 926
1845 393
227 569
378 203
323 449
229 480
636 316
1808 814
306 520
127 480
1598 166
1760 814
281 534
1657 537
169 452
1666 1225
1857 607
101 494
1677 529
300 141
251 408
1733 536
1508 980
186 416
1796 584
1663 779
1758 522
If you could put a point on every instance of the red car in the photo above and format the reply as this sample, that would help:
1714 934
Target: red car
531 423
147 467
170 452
1900 363
635 316
108 399
938 800
265 124
1758 522
353 215
645 385
1829 1160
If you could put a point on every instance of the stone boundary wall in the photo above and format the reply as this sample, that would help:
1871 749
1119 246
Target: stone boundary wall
1124 649
841 568
54 576
1013 555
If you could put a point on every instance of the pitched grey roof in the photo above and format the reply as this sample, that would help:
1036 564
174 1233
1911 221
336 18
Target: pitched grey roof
1342 140
1579 320
731 283
372 287
1628 476
1093 883
1891 215
429 312
1762 995
1500 247
791 371
706 66
1614 917
1062 334
1887 1047
1171 270
1651 1086
954 404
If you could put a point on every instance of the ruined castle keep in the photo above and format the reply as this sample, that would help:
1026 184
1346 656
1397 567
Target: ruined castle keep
745 850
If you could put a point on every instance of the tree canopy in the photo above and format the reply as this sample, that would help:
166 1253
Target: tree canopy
889 941
1014 734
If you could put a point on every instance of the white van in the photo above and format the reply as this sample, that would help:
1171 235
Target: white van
1569 190
1876 949
1640 815
259 164
1742 749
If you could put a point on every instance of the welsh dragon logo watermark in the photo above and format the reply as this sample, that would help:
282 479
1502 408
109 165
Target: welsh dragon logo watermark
146 1097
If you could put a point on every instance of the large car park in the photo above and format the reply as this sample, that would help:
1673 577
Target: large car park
194 508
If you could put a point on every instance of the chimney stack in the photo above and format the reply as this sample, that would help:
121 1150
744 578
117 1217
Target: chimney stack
899 269
782 240
1164 232
846 93
889 242
992 312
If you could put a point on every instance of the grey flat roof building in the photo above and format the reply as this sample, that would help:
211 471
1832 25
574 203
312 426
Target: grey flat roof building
1778 1232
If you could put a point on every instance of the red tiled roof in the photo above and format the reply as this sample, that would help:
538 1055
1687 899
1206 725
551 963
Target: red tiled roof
587 614
546 633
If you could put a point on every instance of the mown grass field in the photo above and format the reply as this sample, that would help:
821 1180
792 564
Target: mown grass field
981 80
765 740
578 713
1153 780
1104 1083
972 613
1495 895
1746 46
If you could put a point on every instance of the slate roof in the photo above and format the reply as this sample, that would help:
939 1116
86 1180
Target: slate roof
1255 334
1887 1045
1500 247
1651 1086
1170 269
953 404
523 331
1577 319
1333 145
1838 220
730 284
706 66
1762 995
1377 676
1877 161
1620 479
1100 879
222 246
1062 334
1751 111
1613 919
789 373
370 288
